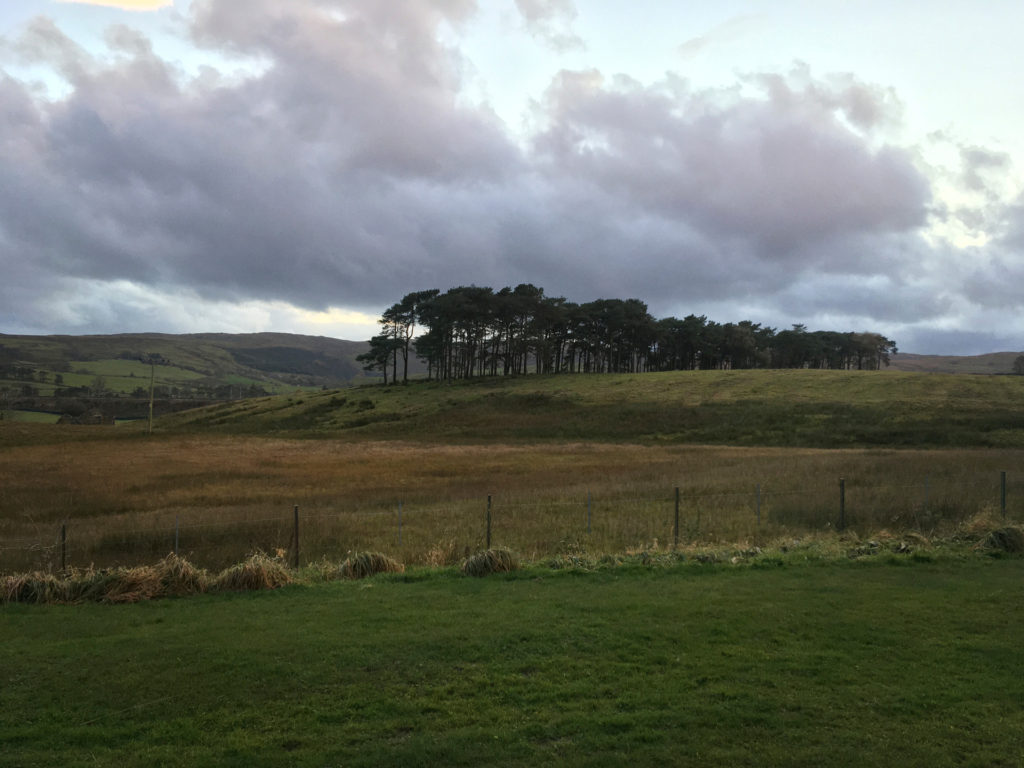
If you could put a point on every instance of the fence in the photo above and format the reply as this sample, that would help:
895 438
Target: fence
444 532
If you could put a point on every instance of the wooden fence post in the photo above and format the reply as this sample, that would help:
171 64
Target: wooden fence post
488 522
842 504
63 549
927 495
1002 493
675 527
296 535
759 506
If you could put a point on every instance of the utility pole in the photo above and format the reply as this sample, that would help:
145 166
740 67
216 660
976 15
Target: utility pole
152 377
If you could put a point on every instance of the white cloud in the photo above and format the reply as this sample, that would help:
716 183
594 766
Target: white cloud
551 21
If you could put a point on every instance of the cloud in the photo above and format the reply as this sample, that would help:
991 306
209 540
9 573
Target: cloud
978 163
348 167
778 171
551 22
126 5
732 29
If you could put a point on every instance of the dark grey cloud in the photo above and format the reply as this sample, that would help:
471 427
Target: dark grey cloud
779 173
346 167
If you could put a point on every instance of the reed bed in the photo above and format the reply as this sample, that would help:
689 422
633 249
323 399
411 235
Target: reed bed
218 498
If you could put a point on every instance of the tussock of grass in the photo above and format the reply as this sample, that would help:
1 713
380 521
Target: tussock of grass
490 561
175 576
364 564
35 587
258 572
443 553
179 577
120 585
1008 539
978 524
172 576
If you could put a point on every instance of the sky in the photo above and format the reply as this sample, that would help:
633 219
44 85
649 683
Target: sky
238 166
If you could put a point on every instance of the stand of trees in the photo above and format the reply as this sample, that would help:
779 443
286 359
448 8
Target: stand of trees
474 331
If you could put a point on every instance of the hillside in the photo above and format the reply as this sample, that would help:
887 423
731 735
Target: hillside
203 366
781 408
996 362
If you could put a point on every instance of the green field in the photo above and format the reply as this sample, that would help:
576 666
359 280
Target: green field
772 641
30 417
871 664
199 362
826 409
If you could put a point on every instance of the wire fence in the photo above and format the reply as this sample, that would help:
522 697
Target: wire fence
443 532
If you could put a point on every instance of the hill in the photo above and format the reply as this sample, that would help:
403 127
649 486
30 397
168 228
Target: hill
752 407
202 366
995 362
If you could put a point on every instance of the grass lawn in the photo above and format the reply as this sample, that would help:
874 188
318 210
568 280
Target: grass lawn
839 664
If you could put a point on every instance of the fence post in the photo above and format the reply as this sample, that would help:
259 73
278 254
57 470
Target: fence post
176 535
296 535
63 549
488 522
1002 493
842 504
759 506
675 527
399 523
588 511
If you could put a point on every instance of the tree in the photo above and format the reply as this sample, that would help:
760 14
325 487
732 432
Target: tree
477 331
382 347
399 322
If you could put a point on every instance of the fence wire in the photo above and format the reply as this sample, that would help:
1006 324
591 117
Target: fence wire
451 526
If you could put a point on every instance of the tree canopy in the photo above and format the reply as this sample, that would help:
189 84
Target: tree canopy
472 331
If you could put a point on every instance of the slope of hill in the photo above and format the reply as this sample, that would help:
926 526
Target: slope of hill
193 365
753 407
995 362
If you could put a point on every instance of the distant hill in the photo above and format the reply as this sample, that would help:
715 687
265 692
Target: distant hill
190 366
996 362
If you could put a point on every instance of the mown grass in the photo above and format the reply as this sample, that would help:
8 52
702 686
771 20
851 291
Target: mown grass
867 663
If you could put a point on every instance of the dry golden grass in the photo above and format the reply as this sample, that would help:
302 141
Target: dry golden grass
257 572
490 561
365 564
229 495
179 577
171 577
35 587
